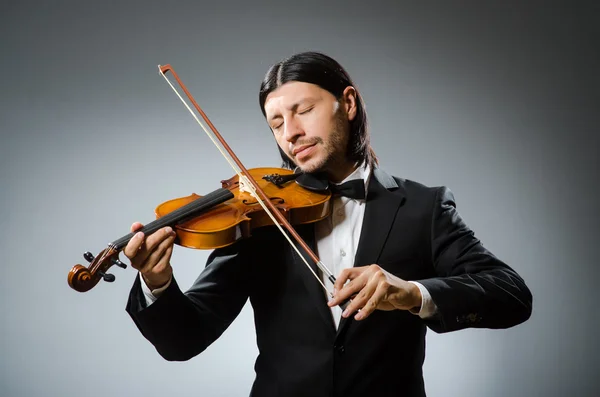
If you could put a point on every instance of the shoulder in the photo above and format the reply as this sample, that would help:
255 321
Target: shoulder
412 189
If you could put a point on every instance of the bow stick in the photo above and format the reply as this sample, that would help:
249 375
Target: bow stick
247 181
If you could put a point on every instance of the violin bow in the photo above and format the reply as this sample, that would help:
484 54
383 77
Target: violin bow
248 181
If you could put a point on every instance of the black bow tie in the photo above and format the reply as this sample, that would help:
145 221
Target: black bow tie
354 189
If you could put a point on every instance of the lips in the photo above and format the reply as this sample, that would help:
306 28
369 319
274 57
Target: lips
301 149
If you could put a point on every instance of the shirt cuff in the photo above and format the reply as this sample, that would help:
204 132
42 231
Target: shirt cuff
428 307
152 295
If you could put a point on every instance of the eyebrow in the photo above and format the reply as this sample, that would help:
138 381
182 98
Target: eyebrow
293 107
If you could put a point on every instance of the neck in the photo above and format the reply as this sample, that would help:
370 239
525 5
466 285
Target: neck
341 171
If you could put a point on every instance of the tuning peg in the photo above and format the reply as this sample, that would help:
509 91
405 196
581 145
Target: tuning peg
109 278
119 263
88 256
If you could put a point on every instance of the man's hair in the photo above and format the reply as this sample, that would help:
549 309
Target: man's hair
322 70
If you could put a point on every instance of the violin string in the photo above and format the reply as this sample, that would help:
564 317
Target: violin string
249 185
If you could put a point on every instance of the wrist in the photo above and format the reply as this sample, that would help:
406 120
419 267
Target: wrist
155 284
417 297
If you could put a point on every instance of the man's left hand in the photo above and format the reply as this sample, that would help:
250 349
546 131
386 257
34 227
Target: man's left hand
373 288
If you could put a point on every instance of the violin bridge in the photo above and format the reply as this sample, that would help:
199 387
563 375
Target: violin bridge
246 187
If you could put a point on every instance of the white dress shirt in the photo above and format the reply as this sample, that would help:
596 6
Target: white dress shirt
337 239
338 236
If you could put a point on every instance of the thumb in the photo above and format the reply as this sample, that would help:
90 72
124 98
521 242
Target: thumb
136 226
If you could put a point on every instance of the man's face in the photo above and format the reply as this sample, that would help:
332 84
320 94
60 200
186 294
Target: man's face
310 125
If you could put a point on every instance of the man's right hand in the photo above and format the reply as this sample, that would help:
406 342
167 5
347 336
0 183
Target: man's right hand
151 255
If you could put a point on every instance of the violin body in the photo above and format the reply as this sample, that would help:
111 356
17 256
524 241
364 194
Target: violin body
235 218
216 220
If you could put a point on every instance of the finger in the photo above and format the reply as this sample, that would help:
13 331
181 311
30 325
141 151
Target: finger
156 255
133 246
360 299
164 261
345 275
358 280
136 226
140 256
154 240
369 307
342 278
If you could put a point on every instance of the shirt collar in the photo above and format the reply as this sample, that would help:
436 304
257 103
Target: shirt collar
363 171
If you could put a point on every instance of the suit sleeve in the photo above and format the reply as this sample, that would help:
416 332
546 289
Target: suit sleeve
473 288
181 325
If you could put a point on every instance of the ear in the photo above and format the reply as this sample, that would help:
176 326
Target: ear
349 102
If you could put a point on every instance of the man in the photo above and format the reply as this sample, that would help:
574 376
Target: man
398 249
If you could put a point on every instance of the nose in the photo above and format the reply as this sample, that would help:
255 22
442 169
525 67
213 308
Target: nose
293 129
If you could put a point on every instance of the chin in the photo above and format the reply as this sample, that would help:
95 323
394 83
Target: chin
312 166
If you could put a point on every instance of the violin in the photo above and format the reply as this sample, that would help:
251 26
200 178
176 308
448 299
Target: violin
244 202
217 219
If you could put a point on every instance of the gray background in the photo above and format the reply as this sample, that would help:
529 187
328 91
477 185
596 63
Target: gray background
498 101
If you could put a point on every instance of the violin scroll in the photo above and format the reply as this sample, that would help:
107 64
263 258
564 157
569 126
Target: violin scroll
83 278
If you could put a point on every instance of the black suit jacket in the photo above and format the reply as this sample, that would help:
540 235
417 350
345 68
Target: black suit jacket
411 230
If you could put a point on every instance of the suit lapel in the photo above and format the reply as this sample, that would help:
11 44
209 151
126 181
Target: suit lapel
380 213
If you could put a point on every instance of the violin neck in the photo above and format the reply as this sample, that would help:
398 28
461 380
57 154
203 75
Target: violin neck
179 215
